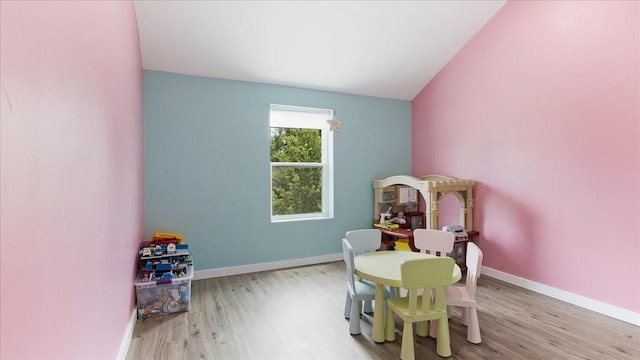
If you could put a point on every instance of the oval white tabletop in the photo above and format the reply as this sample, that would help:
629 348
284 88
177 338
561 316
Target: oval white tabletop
383 267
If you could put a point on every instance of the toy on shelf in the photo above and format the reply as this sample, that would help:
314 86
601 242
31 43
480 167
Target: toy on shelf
160 238
171 248
387 226
150 250
399 218
385 212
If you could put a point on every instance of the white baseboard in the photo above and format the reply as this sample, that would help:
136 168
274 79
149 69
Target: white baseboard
245 269
126 340
571 298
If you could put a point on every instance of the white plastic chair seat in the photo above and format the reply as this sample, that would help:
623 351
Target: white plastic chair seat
458 296
365 292
364 288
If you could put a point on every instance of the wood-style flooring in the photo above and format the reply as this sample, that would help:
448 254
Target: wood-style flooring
297 313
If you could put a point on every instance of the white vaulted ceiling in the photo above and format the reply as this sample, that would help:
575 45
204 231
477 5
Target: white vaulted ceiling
388 49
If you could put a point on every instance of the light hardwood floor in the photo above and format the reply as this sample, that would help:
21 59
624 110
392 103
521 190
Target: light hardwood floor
297 313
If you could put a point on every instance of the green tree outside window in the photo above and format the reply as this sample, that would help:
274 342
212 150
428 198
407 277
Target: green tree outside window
296 155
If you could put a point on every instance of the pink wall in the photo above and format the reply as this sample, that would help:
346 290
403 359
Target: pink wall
542 108
71 179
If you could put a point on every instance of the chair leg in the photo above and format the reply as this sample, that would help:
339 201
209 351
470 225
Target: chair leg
443 342
368 307
407 349
354 320
473 331
347 306
464 316
433 329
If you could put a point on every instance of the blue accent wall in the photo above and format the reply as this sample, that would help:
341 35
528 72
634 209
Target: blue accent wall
206 166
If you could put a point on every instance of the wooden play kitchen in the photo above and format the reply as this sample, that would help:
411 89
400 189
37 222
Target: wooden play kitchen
419 199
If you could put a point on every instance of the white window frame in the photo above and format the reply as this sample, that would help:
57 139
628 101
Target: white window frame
306 118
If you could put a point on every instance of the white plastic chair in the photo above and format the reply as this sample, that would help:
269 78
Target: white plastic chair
358 290
434 242
464 297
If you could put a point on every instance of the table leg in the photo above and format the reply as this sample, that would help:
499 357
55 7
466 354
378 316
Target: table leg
378 315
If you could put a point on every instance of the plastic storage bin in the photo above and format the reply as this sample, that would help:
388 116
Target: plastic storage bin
164 297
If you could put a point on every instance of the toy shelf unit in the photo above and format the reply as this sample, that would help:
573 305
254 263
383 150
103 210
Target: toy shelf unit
163 284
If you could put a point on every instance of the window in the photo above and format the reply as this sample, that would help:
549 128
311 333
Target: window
301 163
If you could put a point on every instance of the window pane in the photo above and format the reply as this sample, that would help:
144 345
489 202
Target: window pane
296 190
296 145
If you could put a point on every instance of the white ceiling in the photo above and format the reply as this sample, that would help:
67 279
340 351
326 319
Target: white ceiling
388 49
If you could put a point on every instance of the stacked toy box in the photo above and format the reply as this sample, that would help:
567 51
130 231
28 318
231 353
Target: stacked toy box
163 285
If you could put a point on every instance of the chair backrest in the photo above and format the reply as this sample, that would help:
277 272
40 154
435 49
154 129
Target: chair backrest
365 240
434 242
439 272
474 266
357 242
347 253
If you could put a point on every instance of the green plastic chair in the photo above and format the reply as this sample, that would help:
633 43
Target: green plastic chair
425 275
